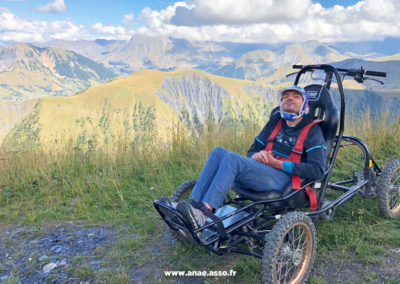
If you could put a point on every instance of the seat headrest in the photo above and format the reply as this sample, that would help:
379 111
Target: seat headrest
319 101
322 107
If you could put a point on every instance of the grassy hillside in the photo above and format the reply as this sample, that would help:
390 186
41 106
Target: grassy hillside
148 104
12 113
141 107
118 188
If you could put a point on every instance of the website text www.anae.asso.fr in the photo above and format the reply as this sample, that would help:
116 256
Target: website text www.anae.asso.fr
200 273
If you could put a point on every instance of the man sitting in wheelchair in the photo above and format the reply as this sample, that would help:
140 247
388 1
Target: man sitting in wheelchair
290 147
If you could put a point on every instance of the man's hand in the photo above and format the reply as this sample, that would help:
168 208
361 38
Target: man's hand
262 157
268 159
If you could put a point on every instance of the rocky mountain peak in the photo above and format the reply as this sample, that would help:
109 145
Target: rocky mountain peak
311 44
30 71
195 93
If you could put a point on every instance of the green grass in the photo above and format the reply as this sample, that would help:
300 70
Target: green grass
111 277
13 278
357 228
118 186
83 272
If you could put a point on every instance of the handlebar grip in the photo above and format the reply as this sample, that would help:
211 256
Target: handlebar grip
297 66
375 73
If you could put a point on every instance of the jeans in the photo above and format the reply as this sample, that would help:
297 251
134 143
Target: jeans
225 170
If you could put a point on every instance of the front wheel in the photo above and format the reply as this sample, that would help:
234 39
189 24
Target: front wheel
183 191
389 191
289 250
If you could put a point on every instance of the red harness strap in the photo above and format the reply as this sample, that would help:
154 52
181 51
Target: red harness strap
273 135
313 198
295 156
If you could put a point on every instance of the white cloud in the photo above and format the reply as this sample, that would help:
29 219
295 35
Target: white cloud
53 7
111 30
128 17
241 12
267 21
14 28
274 21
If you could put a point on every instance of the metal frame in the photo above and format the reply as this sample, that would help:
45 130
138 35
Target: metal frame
261 215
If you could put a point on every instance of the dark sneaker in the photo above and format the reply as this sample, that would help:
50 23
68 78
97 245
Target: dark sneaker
194 216
170 203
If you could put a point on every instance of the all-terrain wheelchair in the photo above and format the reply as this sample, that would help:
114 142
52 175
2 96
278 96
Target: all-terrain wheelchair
277 226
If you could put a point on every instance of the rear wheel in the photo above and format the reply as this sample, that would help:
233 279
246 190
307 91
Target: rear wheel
289 250
389 191
183 192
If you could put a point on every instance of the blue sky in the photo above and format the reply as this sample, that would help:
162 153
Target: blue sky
331 3
220 20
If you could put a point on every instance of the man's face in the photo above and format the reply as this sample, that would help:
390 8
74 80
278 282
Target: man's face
291 102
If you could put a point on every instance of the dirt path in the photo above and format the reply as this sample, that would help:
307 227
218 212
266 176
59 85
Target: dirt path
76 253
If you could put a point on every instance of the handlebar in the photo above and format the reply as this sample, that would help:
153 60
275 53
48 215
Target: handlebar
375 73
357 74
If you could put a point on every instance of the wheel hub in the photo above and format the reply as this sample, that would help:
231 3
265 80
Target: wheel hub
297 257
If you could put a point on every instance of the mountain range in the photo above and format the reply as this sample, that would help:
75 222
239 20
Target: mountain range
167 53
263 63
191 82
28 72
256 64
146 52
62 67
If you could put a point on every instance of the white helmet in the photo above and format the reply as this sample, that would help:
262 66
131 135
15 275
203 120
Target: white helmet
304 108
